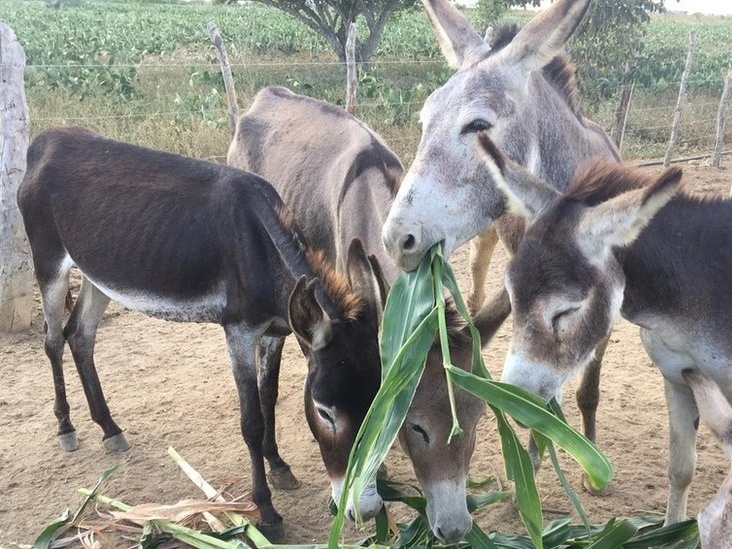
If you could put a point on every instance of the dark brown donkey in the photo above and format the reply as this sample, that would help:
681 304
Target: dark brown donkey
338 178
622 242
193 241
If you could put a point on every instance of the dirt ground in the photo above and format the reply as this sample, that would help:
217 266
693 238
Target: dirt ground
169 384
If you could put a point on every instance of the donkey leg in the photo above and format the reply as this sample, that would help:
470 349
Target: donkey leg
54 286
242 342
481 251
588 398
683 423
81 332
270 355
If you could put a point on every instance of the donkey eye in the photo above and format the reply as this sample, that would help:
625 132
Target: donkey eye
477 125
558 316
322 412
417 429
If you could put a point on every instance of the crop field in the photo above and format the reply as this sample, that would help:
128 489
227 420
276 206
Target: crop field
147 73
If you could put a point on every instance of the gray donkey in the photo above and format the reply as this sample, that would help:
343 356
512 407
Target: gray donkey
338 177
522 91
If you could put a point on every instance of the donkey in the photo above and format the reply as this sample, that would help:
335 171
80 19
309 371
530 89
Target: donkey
338 178
192 241
587 258
522 91
715 519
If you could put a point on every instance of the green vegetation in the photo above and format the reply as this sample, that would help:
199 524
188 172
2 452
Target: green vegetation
146 73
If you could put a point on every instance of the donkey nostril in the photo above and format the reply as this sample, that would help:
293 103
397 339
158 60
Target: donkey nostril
439 533
350 516
409 243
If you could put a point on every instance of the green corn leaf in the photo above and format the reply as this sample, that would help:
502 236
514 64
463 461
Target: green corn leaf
476 502
520 470
614 535
59 525
530 410
682 535
407 334
557 532
52 530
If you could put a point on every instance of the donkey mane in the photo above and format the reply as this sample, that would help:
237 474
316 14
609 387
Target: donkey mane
458 338
335 285
596 181
559 72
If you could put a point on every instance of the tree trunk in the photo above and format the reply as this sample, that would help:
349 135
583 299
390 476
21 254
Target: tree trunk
16 276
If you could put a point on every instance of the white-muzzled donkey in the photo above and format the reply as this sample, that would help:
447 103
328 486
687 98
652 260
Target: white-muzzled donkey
625 242
521 90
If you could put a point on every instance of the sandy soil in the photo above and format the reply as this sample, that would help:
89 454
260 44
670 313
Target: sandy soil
169 384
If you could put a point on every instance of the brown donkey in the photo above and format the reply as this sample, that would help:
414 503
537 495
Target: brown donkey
339 178
193 241
622 242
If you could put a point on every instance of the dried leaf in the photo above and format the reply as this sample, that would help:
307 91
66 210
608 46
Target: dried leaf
184 510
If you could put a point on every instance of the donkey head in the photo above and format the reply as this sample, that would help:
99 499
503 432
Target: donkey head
442 468
715 519
565 283
449 193
344 368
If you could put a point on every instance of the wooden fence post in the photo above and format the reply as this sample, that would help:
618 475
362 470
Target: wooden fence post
220 47
682 97
621 115
351 75
16 276
721 115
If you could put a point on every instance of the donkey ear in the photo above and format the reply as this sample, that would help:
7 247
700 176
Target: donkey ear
307 318
384 286
619 221
525 194
543 38
460 43
363 278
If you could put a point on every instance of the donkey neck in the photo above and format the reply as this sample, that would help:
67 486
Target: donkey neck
299 259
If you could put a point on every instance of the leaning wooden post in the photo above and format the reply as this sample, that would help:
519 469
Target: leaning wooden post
16 277
220 47
682 98
351 69
721 115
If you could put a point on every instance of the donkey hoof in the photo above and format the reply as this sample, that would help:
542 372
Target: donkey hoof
283 479
68 441
589 489
116 443
273 529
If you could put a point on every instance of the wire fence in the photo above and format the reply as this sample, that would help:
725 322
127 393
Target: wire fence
390 98
178 98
